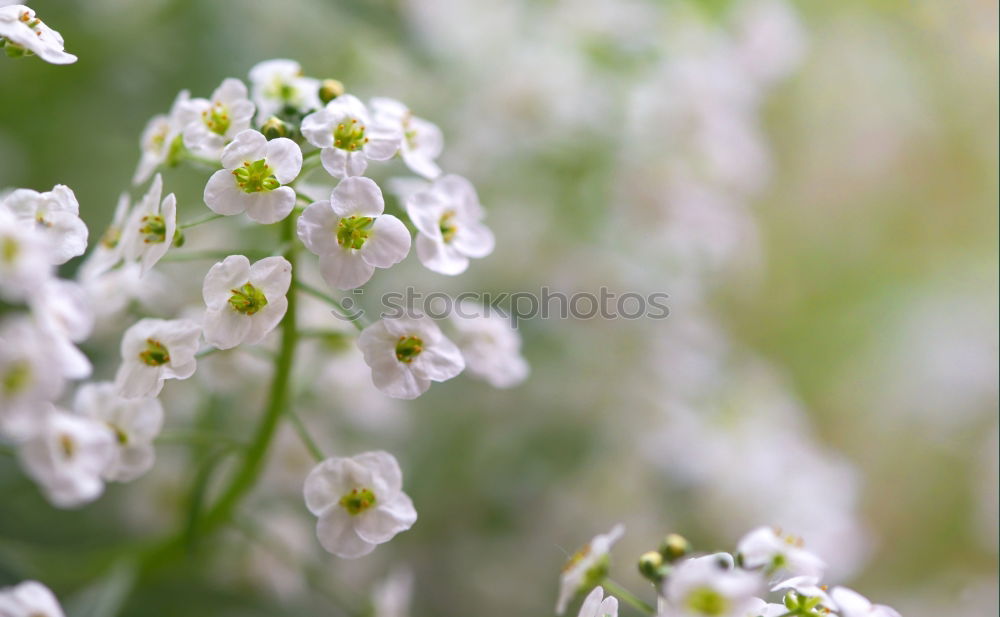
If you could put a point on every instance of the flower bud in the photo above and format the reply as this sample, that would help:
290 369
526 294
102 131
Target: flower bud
674 547
330 89
651 566
179 238
274 128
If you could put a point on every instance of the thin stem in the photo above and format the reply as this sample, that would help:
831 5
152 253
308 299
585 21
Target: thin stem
205 219
628 597
355 319
304 435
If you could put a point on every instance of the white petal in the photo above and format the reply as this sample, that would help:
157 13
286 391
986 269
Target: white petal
385 468
137 380
440 361
225 327
345 269
317 228
270 206
272 275
337 535
248 145
387 244
262 323
225 276
326 484
223 195
335 162
473 239
357 196
285 158
439 257
385 521
317 128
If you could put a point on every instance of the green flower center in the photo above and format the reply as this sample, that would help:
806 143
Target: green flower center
349 135
707 601
9 249
408 348
120 434
357 501
447 226
155 354
67 445
154 228
352 231
112 235
247 299
256 177
216 118
17 377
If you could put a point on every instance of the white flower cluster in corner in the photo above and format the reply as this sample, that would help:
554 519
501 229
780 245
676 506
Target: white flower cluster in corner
29 599
24 34
719 584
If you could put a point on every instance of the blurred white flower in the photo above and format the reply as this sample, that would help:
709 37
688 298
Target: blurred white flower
359 501
24 31
393 595
28 379
244 302
422 140
63 309
490 345
210 124
596 605
29 599
108 251
351 235
151 227
587 567
849 603
278 87
112 291
68 457
778 553
154 350
56 214
24 258
161 139
349 136
254 171
407 354
448 216
806 586
135 424
704 587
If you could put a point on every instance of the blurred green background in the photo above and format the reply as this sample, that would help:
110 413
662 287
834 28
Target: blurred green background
844 298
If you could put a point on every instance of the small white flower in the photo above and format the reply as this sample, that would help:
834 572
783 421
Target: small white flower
254 171
67 458
151 227
422 140
211 124
587 567
161 139
349 136
29 599
359 501
596 605
490 345
776 553
111 292
807 586
704 587
108 251
24 258
63 310
448 217
134 423
407 354
56 214
27 379
351 235
279 88
154 350
244 302
392 597
24 31
850 603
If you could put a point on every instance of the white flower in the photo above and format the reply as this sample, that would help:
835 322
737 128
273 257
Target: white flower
29 599
161 139
154 350
448 217
111 292
63 310
244 302
392 596
705 587
351 235
349 137
422 140
596 605
56 214
766 548
407 354
151 227
108 251
587 567
208 125
280 89
490 345
849 603
24 31
27 378
359 501
67 458
254 171
24 258
805 586
134 423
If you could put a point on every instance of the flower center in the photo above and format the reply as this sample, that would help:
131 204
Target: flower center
154 229
120 433
707 601
357 501
112 235
349 135
216 118
40 220
17 377
247 299
9 249
447 226
352 231
408 348
67 445
256 177
155 354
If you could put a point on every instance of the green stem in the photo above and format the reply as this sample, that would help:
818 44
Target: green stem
355 319
628 597
205 219
306 438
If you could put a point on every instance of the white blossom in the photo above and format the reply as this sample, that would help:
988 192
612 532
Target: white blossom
807 586
134 423
351 235
279 87
406 354
490 345
359 501
393 595
707 587
24 258
22 29
56 214
210 124
244 302
587 567
596 605
154 350
449 218
422 141
349 137
108 251
849 603
252 180
63 310
28 377
29 599
766 548
161 139
151 227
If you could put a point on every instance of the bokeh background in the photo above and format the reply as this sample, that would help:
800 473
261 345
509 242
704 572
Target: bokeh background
814 184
